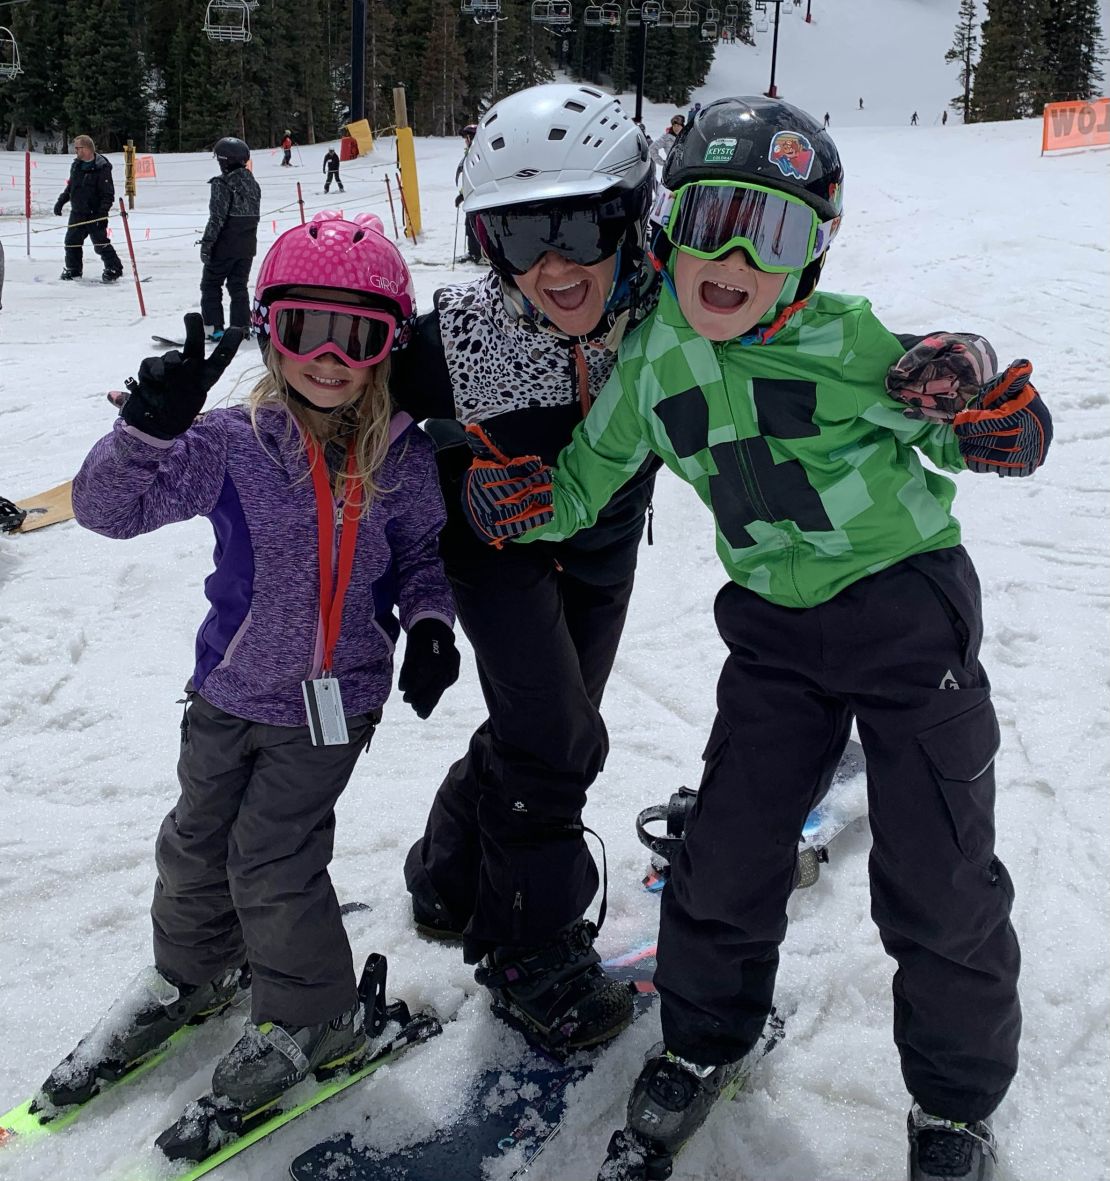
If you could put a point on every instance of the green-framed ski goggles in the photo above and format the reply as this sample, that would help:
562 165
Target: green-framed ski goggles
709 218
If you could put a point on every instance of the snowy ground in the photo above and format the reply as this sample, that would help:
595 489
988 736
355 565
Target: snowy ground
951 228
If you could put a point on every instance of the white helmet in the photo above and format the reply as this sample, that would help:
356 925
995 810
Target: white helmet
553 141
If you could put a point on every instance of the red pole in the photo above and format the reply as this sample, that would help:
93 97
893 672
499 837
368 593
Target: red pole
131 252
300 201
809 18
393 212
27 198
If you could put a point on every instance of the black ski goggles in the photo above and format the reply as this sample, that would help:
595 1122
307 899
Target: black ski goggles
709 218
584 230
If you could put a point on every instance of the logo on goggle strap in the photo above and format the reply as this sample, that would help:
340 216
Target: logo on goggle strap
793 154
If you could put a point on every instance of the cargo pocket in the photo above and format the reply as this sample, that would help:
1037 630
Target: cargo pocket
961 752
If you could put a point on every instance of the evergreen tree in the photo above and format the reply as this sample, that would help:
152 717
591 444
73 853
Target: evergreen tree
34 101
1073 49
442 81
104 82
1010 78
965 47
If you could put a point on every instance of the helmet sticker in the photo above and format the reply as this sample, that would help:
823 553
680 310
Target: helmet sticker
836 196
793 153
720 151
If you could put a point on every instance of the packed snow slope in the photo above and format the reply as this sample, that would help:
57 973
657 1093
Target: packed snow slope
959 228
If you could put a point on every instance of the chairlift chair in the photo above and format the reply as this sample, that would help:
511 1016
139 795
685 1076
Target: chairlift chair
611 16
711 14
632 17
229 21
552 13
9 55
591 16
760 6
466 7
685 18
649 11
666 19
709 30
732 14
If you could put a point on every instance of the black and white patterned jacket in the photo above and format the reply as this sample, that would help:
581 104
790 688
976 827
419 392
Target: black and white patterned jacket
480 356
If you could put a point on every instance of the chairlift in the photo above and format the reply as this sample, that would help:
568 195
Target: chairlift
760 6
484 9
591 16
709 30
466 7
666 19
9 55
632 17
761 25
649 11
711 14
611 16
685 18
553 13
229 21
732 14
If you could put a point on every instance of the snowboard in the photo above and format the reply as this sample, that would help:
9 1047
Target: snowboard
512 1114
36 512
844 806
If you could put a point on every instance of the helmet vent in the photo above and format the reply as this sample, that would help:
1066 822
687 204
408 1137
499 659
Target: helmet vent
492 118
571 105
358 235
557 133
594 93
498 143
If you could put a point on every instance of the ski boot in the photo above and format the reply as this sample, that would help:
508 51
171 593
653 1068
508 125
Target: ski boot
558 995
270 1058
110 276
943 1149
214 335
150 1011
68 274
430 915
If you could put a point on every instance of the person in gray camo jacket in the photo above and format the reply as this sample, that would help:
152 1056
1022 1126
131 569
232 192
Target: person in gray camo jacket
317 462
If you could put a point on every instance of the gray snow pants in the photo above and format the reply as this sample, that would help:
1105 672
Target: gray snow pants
243 863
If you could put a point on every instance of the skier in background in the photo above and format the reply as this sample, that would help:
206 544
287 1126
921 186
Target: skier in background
242 857
331 170
661 146
230 238
827 120
287 150
913 119
89 192
943 118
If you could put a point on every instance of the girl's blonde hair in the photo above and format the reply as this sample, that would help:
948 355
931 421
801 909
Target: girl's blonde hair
368 418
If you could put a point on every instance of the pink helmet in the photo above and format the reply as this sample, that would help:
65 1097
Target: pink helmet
330 251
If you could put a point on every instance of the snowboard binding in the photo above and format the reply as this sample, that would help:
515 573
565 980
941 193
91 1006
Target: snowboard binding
11 516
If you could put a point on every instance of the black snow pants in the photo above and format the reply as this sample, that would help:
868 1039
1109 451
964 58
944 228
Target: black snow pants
234 272
504 852
899 651
77 231
243 864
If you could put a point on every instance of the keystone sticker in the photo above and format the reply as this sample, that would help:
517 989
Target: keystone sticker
720 151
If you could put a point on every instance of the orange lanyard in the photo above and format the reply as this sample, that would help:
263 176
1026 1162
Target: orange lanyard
331 602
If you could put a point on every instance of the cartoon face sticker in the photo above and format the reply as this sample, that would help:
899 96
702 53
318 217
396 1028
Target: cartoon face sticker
793 153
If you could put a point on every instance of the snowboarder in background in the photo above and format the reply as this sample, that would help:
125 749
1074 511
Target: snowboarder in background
788 692
230 238
861 104
242 857
473 246
661 146
943 118
331 170
913 119
827 120
89 193
287 150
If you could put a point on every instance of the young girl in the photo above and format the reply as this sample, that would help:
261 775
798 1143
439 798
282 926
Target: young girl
326 510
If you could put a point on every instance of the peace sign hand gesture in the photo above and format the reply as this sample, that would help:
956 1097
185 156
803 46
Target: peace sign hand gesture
171 389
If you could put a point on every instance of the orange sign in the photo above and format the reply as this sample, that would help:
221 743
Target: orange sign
144 168
1076 125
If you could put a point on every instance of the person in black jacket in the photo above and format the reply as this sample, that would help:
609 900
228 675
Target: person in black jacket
230 238
89 192
331 170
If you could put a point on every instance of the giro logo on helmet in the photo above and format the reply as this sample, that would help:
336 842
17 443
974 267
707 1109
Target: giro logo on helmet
383 284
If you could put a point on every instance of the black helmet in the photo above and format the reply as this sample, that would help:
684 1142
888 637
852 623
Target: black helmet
469 131
762 141
231 152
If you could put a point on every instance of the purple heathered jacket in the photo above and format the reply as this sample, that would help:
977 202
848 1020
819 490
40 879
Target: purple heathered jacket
263 635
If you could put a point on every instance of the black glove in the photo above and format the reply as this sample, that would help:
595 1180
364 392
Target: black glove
205 252
171 389
430 667
1006 428
503 496
59 205
941 374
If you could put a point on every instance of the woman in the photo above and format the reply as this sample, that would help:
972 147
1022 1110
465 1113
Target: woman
557 186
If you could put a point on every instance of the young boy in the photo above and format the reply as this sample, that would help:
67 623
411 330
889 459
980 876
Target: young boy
850 596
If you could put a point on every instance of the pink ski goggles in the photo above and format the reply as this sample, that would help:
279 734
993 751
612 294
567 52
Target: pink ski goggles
304 330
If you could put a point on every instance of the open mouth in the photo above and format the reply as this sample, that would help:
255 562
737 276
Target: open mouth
722 297
570 297
331 384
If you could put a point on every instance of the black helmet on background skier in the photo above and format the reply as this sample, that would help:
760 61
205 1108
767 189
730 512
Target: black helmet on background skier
765 143
231 153
469 132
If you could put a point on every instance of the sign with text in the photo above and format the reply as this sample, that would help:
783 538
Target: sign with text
144 168
1076 125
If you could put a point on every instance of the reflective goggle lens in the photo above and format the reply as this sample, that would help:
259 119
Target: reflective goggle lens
517 237
361 336
710 218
